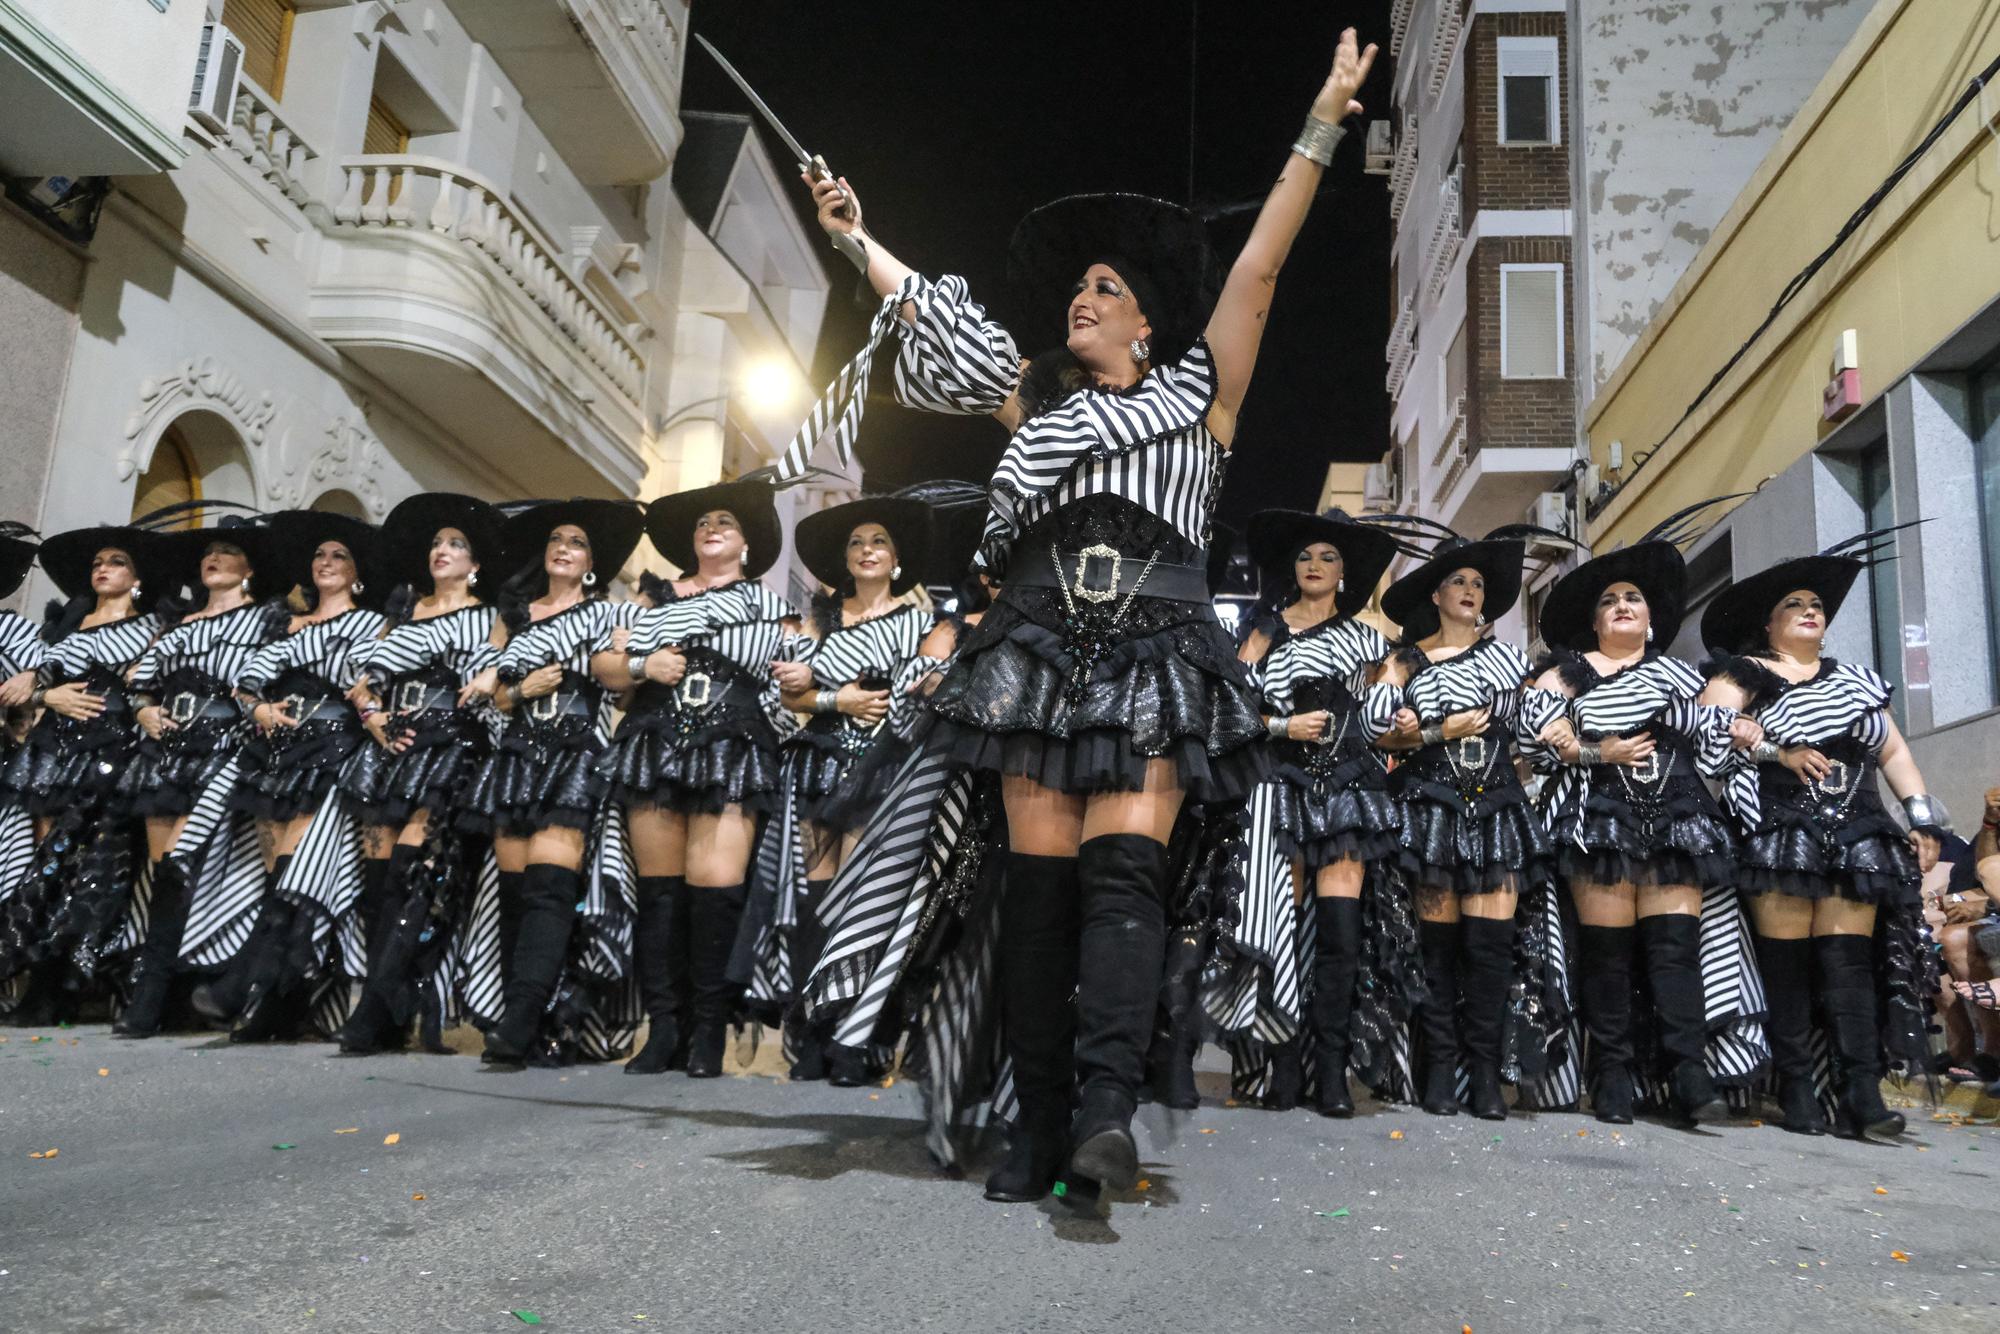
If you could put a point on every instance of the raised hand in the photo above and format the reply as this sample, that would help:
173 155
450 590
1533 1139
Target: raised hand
1350 70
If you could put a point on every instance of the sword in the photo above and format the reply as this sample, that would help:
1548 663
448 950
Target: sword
812 164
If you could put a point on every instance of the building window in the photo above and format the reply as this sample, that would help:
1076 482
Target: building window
1885 604
170 479
385 132
1453 380
265 29
1528 107
1531 321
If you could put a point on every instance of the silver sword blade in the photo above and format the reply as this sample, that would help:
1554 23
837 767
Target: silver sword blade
762 108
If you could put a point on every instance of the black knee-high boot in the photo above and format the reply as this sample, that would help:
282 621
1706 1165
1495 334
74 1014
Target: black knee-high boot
1604 986
716 913
1486 977
159 955
513 884
1672 946
1121 949
1847 995
1438 1017
1178 1031
1787 969
657 958
548 912
1039 911
1336 959
222 1000
807 944
385 894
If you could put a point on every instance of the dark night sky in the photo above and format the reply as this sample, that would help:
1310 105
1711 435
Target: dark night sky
953 120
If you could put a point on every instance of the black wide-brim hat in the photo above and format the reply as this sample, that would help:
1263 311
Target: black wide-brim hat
821 539
612 528
260 544
300 533
670 522
1735 620
414 524
17 556
1656 569
1165 243
1498 560
67 557
1277 537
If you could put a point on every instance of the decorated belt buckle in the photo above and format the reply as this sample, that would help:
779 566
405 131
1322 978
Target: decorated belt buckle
1838 776
1082 585
697 688
181 708
1648 770
543 708
1472 751
409 696
293 704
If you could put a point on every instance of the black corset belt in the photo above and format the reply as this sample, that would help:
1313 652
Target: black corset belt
1100 573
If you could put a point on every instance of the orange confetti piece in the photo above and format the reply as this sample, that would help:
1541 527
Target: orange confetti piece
351 1130
874 1097
418 1196
1581 1133
1208 1132
889 1083
1756 1125
1395 1134
102 1071
36 1038
392 1139
1144 1185
1880 1191
46 1153
1899 1257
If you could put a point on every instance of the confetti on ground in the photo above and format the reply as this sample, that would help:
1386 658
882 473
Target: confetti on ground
351 1130
1208 1132
1880 1191
1332 1213
1899 1257
1581 1133
527 1317
417 1196
1144 1185
102 1071
1395 1134
874 1097
392 1139
46 1153
284 1146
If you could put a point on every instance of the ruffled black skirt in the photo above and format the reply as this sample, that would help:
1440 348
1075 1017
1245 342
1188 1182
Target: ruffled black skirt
447 746
65 763
542 775
1330 806
1618 831
166 777
288 772
1167 685
1822 849
1470 833
697 762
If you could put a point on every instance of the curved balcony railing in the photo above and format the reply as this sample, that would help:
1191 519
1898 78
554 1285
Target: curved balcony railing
259 135
397 191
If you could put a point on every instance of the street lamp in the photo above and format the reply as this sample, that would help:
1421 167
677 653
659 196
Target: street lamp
766 386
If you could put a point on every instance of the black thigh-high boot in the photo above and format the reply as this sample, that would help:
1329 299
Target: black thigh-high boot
1438 1017
1786 966
1847 995
1036 966
1604 987
385 890
1177 1036
1121 949
159 955
548 912
223 999
808 942
717 913
1336 959
513 885
1672 946
1486 977
654 952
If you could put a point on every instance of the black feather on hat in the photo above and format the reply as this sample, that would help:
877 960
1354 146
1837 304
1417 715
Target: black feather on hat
18 543
1653 565
670 522
1735 622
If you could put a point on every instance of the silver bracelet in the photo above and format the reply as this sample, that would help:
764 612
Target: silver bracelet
851 247
1590 752
826 701
1279 727
636 665
1431 736
1318 140
1766 752
1927 812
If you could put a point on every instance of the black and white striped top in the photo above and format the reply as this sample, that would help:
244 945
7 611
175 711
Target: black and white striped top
459 642
1842 699
329 649
21 647
743 622
1341 649
882 644
566 639
1487 675
220 646
113 647
1151 445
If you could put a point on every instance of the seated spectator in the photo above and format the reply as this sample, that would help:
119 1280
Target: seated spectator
1957 906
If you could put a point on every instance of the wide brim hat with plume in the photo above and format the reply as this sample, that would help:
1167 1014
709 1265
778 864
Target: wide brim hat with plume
1160 249
821 539
1498 557
1653 564
1366 549
613 528
1735 621
670 522
67 556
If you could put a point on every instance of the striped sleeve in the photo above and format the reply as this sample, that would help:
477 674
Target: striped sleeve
1537 710
266 664
146 672
953 359
21 647
1709 730
406 648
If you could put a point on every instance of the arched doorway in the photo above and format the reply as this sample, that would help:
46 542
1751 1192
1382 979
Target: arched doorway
341 502
199 456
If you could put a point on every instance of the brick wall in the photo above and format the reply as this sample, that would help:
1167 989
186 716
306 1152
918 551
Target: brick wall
1508 414
1506 177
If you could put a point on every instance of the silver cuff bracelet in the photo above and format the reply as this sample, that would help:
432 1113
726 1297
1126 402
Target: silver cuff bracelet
826 701
1280 728
1590 752
1766 752
1431 736
853 249
1318 140
636 665
1927 812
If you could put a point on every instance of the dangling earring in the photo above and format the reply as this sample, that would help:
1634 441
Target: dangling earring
1340 585
590 578
246 583
1649 634
356 588
472 579
1480 620
1140 350
895 572
135 588
743 557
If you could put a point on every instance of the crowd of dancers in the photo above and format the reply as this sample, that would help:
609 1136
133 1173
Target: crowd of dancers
1033 840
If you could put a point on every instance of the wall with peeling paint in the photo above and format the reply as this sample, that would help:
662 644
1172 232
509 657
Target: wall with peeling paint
1678 102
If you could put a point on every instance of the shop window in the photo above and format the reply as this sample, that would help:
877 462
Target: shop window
1528 106
265 29
1531 321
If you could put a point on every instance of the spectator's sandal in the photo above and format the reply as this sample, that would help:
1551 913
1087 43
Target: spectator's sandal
1979 993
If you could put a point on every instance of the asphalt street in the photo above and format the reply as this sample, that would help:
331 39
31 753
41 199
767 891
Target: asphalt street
184 1184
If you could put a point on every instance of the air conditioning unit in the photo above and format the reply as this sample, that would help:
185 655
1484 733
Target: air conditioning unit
1381 155
1550 510
217 71
1378 487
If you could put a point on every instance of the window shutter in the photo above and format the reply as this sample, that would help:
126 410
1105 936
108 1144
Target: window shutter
1531 328
385 133
265 29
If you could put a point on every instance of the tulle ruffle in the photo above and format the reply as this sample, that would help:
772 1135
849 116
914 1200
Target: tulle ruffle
1808 851
65 763
391 787
538 778
1322 821
1687 840
655 760
289 772
166 777
1503 845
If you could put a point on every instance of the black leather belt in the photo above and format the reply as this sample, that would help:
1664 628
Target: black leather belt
420 696
1101 574
544 709
187 706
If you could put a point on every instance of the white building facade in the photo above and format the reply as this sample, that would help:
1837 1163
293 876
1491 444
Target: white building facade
411 245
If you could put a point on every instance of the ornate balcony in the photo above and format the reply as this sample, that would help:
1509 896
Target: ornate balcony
1444 42
1447 232
602 78
1399 24
1450 459
1402 346
259 135
1403 171
435 283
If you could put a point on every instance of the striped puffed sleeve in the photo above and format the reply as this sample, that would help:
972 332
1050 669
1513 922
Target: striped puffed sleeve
1539 708
953 359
